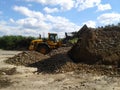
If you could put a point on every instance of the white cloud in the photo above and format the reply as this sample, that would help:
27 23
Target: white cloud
11 20
109 18
64 4
90 23
33 23
85 4
36 23
80 5
25 11
104 7
7 28
50 10
60 24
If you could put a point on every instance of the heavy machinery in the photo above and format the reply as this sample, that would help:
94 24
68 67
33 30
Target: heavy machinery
44 46
70 38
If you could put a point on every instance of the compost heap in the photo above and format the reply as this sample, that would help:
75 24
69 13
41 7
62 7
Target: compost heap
97 46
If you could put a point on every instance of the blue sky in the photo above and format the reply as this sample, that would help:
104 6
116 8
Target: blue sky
34 17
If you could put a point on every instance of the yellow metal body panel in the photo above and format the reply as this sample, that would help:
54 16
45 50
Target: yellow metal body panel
34 43
51 44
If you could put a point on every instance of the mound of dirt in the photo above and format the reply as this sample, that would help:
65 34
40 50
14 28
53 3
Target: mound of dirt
8 71
97 46
26 57
57 61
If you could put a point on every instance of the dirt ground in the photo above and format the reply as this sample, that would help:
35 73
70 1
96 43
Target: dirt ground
25 78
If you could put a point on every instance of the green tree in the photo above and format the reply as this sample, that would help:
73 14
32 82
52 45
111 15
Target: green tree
15 42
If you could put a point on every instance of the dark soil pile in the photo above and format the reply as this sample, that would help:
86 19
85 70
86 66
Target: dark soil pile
57 61
26 57
97 46
8 71
29 57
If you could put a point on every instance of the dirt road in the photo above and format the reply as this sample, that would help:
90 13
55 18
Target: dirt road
25 79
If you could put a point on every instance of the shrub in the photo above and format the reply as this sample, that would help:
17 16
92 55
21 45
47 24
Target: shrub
15 42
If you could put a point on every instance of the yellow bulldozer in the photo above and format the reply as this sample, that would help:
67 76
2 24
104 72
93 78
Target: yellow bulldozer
44 46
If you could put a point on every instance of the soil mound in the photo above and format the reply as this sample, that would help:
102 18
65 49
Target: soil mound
26 57
29 57
57 61
97 46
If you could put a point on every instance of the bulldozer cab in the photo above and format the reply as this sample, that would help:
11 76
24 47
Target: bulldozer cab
53 37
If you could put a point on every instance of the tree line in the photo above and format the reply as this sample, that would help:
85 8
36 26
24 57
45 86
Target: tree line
15 42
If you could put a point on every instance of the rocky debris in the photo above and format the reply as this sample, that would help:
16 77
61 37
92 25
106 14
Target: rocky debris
97 46
57 61
61 50
5 82
8 71
26 57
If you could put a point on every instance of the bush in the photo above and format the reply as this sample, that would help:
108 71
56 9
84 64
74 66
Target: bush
15 42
